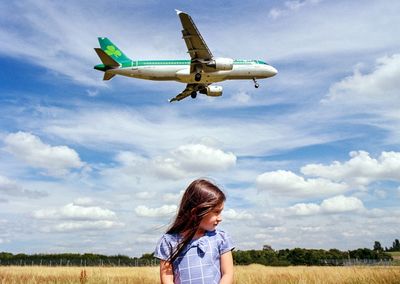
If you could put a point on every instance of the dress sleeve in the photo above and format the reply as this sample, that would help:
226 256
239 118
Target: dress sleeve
164 248
226 243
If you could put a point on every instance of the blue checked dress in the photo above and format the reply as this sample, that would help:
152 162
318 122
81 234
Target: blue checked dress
199 262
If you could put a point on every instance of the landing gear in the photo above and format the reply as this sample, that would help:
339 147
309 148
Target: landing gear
193 94
197 77
256 85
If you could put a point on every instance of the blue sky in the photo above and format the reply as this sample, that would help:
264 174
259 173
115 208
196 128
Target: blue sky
310 159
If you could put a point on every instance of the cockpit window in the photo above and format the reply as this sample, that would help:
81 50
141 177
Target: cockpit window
262 62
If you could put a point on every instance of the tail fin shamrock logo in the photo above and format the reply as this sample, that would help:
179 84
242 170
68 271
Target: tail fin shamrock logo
112 51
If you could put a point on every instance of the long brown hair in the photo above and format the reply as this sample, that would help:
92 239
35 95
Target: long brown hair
200 198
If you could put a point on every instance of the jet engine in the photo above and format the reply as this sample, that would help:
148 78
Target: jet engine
212 91
221 63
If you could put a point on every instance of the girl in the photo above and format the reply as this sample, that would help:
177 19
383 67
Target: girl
193 250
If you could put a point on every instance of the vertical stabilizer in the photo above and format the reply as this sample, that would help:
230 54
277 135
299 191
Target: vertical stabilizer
112 50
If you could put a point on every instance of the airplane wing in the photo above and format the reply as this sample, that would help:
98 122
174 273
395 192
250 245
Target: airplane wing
197 47
188 91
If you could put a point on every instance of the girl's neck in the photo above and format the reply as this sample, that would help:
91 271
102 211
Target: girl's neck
199 233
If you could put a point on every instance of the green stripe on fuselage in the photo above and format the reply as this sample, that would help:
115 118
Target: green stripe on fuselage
139 63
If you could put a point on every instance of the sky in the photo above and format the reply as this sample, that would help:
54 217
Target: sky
310 159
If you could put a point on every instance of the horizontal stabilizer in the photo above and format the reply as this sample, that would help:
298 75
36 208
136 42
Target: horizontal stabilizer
106 59
108 76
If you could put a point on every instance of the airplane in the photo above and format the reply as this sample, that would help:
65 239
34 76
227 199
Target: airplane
198 73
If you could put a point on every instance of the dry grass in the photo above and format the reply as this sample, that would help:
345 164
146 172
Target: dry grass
87 275
252 274
317 274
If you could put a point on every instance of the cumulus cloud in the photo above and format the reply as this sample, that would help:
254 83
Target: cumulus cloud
12 188
303 209
361 169
84 226
193 158
163 211
56 160
73 217
84 201
336 204
340 204
379 87
75 212
232 214
286 183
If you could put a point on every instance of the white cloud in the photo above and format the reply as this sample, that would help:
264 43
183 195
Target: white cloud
193 158
83 226
140 128
84 201
361 169
340 204
333 205
145 195
75 212
303 209
286 183
232 214
57 160
12 188
186 160
376 89
290 6
171 197
163 211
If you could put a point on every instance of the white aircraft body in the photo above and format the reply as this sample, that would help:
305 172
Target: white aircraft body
198 73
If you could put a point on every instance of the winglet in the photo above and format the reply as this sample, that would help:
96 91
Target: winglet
178 12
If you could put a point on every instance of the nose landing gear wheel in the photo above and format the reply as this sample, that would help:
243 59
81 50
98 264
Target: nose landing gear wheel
197 77
256 85
193 95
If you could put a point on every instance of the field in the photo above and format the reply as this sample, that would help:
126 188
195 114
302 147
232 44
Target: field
252 274
395 254
396 257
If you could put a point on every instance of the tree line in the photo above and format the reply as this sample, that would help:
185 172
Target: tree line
301 256
76 259
266 256
394 247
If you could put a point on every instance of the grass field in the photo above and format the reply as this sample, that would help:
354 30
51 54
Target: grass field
395 254
396 257
252 274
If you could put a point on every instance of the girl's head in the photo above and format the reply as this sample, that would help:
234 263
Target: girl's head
200 198
200 208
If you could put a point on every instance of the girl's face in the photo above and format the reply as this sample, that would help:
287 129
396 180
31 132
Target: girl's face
211 220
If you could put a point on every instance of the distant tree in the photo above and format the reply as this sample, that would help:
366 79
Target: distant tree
377 246
147 256
267 247
396 245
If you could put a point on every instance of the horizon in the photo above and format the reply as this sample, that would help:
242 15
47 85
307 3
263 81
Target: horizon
309 159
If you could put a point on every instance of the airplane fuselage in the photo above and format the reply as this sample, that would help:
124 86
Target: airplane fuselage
179 70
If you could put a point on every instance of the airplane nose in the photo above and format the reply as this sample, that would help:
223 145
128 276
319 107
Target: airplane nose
272 71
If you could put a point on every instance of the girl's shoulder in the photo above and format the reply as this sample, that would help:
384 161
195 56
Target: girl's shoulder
221 239
165 245
170 238
219 234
